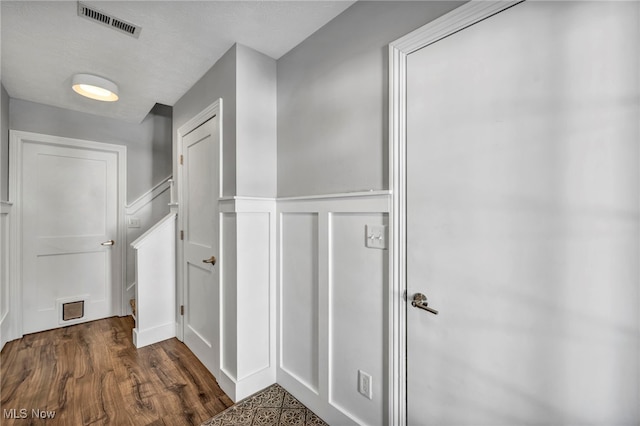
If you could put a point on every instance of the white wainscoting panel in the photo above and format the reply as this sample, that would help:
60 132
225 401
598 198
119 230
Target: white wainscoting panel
358 297
228 294
156 283
332 298
6 326
254 331
299 297
247 285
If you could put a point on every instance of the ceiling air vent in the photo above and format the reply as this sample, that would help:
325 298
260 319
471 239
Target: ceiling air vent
103 18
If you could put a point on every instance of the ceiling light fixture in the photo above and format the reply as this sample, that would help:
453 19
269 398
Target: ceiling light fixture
94 87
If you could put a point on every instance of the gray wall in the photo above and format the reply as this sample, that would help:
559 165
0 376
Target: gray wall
256 110
4 145
218 82
332 99
148 143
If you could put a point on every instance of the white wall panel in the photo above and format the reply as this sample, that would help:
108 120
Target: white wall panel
247 267
332 304
299 297
228 295
254 290
357 287
156 282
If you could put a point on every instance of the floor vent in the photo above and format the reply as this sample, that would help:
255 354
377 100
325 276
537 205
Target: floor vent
72 310
111 21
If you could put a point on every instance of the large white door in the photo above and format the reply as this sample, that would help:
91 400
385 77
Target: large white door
523 219
69 221
200 190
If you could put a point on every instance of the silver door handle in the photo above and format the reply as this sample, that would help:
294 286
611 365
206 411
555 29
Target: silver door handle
108 243
420 301
211 260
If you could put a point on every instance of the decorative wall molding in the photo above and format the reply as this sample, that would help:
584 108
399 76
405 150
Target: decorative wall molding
460 18
247 282
148 196
155 278
340 195
307 270
240 204
370 201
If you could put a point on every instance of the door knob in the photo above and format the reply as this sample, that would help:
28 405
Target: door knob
108 243
420 301
211 260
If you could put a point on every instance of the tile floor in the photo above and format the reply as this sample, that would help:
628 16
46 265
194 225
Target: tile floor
273 406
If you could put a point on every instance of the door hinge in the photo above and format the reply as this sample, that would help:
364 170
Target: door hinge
181 309
182 235
181 159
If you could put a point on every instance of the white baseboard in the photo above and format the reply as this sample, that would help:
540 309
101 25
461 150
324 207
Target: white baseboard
239 390
153 335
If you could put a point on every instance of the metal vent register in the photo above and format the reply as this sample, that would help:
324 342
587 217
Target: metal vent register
111 21
72 310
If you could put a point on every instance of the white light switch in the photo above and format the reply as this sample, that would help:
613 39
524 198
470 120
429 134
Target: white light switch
375 236
134 222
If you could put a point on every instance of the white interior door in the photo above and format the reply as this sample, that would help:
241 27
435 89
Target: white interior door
69 205
200 189
522 219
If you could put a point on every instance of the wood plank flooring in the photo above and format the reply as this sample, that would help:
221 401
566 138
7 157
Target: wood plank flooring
91 374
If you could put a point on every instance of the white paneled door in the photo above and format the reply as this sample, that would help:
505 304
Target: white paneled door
200 190
522 221
69 221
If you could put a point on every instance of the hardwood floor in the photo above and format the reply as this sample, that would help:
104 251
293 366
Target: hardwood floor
91 374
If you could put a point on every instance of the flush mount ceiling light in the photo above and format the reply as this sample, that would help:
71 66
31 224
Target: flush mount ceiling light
94 87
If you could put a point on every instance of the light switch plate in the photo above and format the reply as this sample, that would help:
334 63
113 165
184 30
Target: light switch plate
375 236
134 222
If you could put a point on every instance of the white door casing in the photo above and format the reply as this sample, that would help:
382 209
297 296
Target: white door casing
199 190
69 199
510 179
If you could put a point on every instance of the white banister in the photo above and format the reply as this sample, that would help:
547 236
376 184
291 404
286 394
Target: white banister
155 303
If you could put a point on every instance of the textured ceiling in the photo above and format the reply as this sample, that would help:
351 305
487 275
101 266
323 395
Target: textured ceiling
45 42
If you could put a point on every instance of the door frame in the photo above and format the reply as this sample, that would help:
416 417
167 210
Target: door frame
199 119
460 18
17 139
